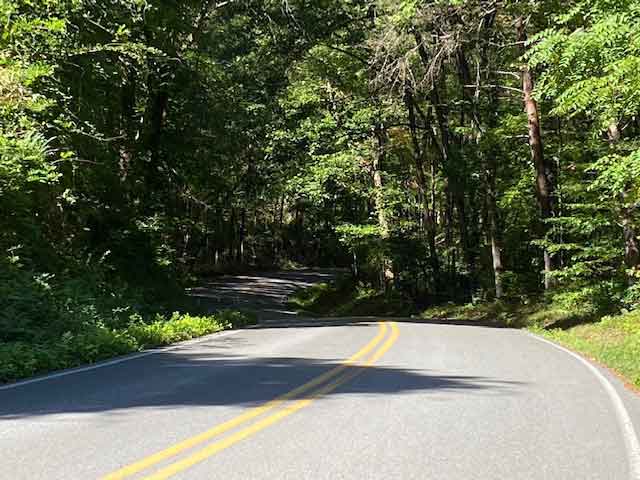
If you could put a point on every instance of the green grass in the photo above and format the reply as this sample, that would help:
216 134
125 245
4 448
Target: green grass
557 310
613 341
499 314
98 342
346 298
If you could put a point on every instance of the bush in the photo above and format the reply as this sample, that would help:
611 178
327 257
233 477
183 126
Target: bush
631 298
571 307
95 343
589 300
177 328
345 297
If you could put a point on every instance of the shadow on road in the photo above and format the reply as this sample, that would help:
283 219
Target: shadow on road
217 377
261 292
160 381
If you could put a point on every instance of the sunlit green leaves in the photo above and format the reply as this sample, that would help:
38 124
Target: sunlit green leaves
592 68
25 160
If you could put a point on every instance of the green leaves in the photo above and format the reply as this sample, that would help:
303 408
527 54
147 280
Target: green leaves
617 173
358 235
24 160
590 68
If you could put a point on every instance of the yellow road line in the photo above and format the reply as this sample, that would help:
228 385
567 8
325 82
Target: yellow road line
220 445
191 442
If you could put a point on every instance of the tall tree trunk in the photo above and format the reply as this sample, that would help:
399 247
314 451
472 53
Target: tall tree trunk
159 105
128 102
242 233
383 222
427 213
459 178
631 246
493 230
488 162
442 139
544 169
387 275
433 224
278 244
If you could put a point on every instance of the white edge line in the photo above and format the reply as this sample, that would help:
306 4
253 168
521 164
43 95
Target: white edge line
122 359
624 419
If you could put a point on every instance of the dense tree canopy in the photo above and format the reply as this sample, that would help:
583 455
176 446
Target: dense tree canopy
441 149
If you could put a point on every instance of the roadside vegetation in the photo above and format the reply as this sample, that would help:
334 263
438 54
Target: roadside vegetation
346 297
96 341
613 341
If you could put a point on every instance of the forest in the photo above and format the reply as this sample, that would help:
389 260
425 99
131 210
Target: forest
446 152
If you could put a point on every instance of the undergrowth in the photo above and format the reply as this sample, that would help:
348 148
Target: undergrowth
345 298
21 359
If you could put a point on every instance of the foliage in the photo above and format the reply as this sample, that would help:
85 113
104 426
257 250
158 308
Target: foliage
496 314
588 57
562 309
98 342
345 298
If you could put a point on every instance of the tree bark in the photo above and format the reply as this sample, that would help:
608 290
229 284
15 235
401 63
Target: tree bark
455 197
378 183
544 170
494 236
128 101
488 162
631 247
387 275
427 212
242 234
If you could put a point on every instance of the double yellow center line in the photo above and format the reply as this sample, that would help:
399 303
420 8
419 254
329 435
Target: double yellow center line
326 383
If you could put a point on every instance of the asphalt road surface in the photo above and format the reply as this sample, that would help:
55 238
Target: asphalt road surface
365 398
264 293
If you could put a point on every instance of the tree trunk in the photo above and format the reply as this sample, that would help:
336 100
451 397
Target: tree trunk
494 237
242 234
159 105
427 212
544 170
488 162
455 196
383 221
378 184
127 122
631 247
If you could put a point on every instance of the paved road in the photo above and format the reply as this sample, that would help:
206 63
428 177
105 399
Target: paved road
264 293
369 399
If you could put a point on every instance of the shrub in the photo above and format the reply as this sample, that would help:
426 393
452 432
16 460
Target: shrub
98 342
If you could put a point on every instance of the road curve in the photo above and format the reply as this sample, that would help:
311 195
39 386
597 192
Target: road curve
351 399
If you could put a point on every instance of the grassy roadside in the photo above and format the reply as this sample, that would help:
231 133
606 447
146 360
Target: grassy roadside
578 320
97 342
613 341
344 298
